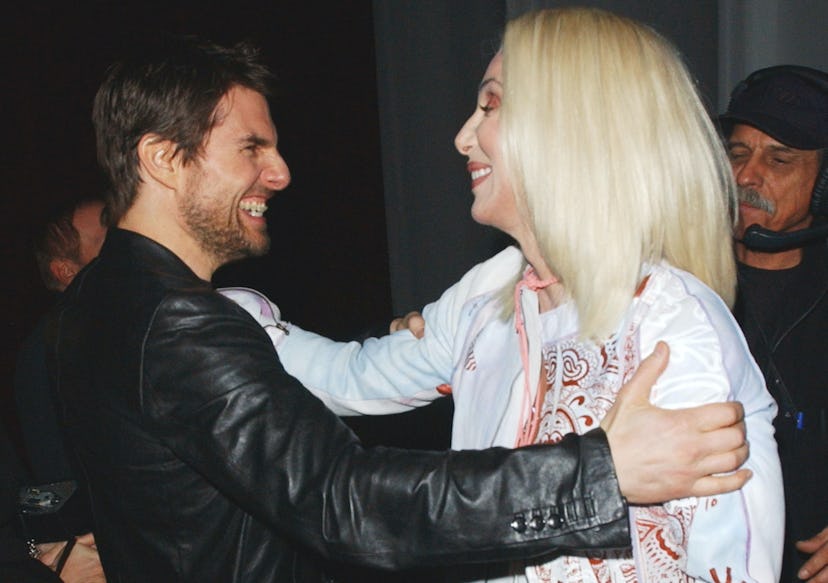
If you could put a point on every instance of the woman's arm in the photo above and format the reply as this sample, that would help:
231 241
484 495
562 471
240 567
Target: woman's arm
735 536
391 374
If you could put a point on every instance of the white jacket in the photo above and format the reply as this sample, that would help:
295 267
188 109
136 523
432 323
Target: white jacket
733 537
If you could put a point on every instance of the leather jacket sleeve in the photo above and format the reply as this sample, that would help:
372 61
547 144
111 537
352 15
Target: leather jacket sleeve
224 405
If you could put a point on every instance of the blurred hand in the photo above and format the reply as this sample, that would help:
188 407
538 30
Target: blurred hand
412 321
662 454
83 565
815 569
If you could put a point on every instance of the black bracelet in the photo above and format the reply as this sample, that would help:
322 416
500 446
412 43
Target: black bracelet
64 555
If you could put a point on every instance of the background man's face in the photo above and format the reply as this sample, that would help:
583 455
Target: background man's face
87 222
771 172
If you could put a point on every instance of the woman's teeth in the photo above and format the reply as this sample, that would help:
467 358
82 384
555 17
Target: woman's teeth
480 173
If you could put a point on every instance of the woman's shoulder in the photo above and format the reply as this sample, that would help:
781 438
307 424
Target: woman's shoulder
677 301
489 276
505 264
704 337
668 286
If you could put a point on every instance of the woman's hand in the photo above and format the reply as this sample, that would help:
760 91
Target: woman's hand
412 321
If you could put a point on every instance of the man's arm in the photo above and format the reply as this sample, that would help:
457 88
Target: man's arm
708 437
696 452
227 409
637 396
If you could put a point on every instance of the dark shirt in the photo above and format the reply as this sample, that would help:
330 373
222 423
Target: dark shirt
36 409
48 454
784 315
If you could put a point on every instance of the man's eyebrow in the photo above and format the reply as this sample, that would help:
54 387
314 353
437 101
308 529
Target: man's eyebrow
255 140
783 149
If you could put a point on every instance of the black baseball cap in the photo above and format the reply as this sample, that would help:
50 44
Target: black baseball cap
787 102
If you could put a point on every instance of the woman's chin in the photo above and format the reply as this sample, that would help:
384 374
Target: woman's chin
482 217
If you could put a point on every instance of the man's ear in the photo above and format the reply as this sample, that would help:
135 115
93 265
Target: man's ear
64 271
157 159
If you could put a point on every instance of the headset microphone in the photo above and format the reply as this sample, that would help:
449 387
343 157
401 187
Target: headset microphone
787 102
762 239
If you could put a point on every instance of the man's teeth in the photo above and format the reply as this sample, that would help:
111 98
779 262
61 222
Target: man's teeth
253 208
479 173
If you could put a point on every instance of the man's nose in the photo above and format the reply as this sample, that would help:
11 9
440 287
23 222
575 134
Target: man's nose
749 173
276 175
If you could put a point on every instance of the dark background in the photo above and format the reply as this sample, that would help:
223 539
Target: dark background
329 265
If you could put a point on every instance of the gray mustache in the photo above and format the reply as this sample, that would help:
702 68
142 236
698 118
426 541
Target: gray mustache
752 198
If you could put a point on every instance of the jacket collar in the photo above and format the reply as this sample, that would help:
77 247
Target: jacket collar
123 246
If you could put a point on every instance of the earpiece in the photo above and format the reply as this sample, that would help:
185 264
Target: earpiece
819 198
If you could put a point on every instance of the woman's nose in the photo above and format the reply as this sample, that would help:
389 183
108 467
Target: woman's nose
465 138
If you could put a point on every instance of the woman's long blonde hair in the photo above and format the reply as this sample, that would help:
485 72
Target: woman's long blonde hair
613 158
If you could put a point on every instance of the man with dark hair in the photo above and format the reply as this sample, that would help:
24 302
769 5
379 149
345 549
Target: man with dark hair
207 462
776 127
68 242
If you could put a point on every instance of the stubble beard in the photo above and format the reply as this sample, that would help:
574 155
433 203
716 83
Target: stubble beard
225 241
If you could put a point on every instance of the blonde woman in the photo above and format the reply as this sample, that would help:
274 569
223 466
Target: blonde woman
590 147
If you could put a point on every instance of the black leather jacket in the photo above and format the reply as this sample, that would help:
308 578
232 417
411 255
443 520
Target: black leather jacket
207 462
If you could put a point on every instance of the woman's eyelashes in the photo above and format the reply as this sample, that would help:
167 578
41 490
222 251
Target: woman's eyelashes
490 103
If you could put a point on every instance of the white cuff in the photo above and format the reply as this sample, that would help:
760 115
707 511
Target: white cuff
265 312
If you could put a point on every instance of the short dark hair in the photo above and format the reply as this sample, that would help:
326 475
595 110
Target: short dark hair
57 238
171 89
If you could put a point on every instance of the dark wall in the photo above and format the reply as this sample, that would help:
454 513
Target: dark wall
328 268
431 55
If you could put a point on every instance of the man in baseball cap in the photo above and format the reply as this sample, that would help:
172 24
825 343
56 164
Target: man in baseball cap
776 131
